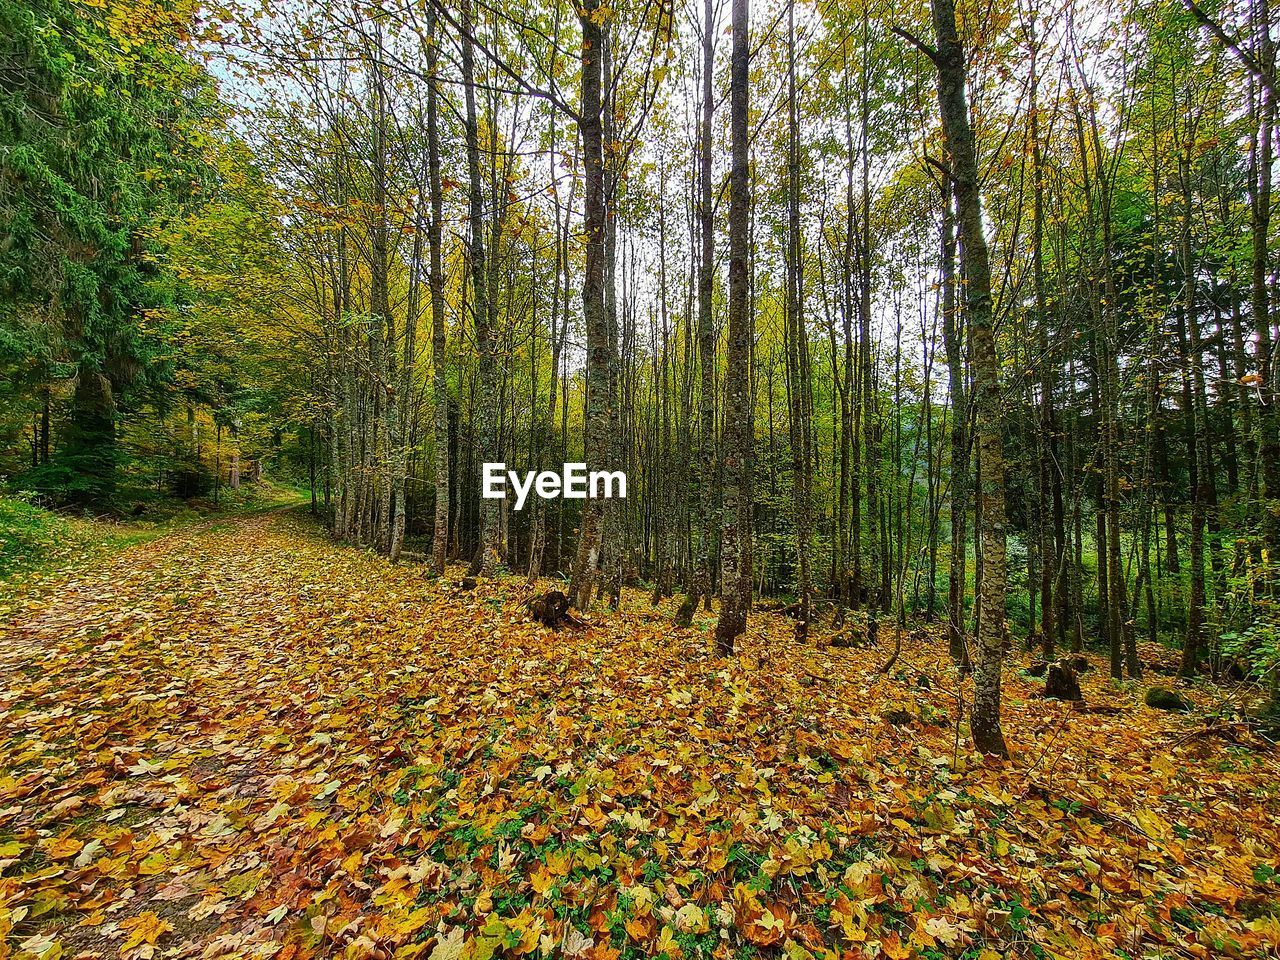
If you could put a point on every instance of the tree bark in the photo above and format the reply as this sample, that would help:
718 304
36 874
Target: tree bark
958 137
735 578
486 559
706 328
797 348
439 347
599 398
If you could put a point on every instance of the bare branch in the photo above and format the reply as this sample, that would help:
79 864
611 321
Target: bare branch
916 42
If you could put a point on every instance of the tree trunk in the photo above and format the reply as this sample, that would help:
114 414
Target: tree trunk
959 140
735 578
706 329
486 559
439 358
90 448
599 398
1268 416
797 349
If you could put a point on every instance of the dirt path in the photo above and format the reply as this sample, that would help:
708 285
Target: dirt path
117 591
242 740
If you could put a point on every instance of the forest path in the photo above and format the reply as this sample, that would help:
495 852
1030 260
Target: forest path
97 593
243 740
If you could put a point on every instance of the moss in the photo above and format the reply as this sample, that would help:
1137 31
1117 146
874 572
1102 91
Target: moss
1162 698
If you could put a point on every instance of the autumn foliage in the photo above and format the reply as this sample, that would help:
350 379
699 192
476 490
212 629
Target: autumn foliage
242 740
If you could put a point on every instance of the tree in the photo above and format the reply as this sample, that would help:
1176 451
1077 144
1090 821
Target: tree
100 139
798 368
735 572
439 359
958 137
487 557
601 363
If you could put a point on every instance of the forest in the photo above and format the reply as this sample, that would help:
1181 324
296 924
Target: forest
925 357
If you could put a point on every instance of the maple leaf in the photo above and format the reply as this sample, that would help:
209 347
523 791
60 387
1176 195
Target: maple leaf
931 930
575 943
668 944
691 918
1268 927
449 946
42 946
144 932
63 847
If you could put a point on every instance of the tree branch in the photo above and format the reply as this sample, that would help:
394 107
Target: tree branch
1264 76
916 42
551 96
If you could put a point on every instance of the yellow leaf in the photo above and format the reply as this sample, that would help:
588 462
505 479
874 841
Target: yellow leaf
691 918
145 928
667 944
449 947
63 847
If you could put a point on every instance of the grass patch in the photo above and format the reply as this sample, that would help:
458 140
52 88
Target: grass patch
34 539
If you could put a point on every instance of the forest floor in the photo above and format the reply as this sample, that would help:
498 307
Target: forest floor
242 740
38 545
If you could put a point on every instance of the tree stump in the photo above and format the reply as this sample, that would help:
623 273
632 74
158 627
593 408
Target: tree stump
551 609
857 633
1235 671
1060 683
848 640
684 613
898 717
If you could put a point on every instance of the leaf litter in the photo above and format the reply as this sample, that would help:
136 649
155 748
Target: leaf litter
250 742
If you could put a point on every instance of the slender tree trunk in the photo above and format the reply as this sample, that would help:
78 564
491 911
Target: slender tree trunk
735 577
951 340
599 399
706 329
439 348
796 346
1263 151
486 560
1199 467
1047 466
878 597
852 452
958 137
